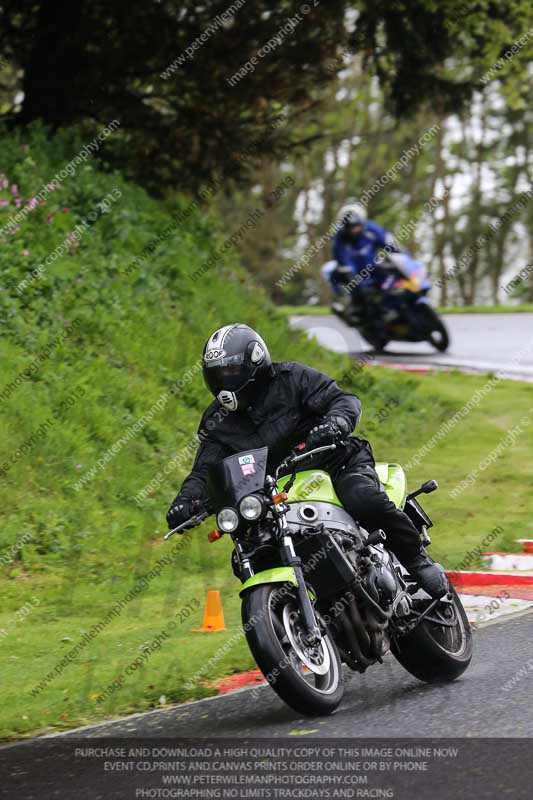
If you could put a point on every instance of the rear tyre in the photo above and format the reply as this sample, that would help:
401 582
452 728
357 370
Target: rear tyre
433 653
308 679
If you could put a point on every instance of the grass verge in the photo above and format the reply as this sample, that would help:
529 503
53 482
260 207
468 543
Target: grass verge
524 308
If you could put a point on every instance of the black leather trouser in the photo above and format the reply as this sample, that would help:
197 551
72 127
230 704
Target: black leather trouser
360 491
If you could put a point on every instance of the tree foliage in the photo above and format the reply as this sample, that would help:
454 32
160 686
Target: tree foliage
440 50
170 71
183 121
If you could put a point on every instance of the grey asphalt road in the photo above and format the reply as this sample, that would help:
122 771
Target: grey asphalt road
502 343
386 701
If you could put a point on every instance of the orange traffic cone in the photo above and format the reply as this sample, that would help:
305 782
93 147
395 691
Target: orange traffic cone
213 614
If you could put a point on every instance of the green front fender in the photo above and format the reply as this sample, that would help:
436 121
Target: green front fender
275 575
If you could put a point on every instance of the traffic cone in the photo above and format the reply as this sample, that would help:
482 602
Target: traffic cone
213 614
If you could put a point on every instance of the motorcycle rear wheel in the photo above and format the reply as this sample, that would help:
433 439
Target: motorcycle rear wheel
309 680
435 654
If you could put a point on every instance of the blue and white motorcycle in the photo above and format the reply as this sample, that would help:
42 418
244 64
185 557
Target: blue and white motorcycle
387 301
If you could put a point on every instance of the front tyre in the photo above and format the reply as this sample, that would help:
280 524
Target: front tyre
436 332
439 649
377 341
308 679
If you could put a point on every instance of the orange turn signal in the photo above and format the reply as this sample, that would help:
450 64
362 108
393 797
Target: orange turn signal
214 535
279 498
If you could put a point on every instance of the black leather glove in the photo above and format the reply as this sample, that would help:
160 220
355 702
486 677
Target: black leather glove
330 431
181 509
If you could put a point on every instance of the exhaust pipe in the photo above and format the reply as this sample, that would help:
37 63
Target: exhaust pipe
353 642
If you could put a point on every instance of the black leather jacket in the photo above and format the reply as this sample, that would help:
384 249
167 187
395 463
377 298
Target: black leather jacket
294 399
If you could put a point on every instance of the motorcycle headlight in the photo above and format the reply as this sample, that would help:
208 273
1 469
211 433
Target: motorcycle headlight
227 520
251 507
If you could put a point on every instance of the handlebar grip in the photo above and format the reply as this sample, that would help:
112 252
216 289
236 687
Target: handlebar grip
309 453
192 522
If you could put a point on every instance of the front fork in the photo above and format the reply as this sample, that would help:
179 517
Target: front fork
290 559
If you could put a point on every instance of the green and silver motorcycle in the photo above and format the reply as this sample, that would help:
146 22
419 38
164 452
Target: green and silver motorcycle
318 590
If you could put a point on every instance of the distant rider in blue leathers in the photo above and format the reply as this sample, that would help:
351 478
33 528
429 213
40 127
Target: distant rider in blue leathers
356 270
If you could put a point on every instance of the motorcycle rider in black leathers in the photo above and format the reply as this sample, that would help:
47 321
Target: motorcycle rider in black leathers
279 405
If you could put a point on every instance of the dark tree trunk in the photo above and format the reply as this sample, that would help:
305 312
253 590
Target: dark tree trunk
55 77
441 241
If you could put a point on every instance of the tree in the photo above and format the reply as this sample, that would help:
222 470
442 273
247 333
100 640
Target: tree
199 89
442 51
178 76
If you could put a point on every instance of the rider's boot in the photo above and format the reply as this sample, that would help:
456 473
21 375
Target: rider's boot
429 575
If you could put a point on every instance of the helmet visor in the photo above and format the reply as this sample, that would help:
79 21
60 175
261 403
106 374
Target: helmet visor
230 374
352 232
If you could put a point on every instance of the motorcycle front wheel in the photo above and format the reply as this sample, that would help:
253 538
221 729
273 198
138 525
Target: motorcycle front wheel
376 341
437 334
308 678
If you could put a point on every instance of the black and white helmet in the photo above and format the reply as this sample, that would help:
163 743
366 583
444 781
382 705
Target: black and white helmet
352 214
235 357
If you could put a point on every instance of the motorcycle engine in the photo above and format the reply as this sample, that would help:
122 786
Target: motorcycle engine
382 581
388 586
